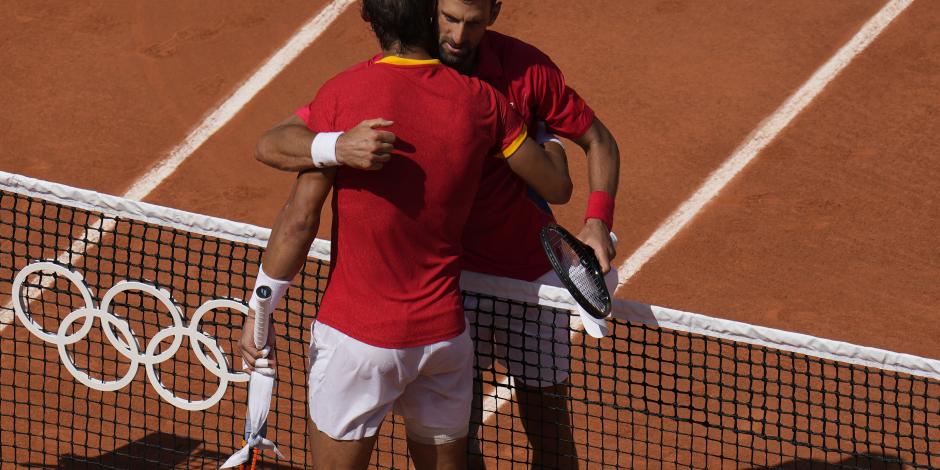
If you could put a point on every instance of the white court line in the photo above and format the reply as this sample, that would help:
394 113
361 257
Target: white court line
207 128
745 154
501 396
759 139
221 116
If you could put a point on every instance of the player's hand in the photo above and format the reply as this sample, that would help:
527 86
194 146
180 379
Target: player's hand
250 354
596 235
366 146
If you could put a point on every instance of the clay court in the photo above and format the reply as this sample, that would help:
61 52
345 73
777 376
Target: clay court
780 160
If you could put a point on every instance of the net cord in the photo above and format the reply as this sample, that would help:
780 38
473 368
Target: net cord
522 291
148 213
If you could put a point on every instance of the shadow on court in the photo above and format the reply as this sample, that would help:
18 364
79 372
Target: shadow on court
156 450
859 462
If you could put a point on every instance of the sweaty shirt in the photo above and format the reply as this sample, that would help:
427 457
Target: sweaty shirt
396 232
502 232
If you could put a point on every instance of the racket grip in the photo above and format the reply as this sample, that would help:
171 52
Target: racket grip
613 239
262 316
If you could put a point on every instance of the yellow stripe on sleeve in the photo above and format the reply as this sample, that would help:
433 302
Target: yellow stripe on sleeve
511 148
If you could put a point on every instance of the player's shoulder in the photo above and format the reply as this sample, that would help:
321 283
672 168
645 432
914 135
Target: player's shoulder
477 91
349 76
460 83
513 51
362 66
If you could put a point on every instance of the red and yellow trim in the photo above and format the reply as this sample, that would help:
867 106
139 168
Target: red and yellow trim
511 148
395 60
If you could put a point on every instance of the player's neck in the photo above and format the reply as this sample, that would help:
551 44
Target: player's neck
407 52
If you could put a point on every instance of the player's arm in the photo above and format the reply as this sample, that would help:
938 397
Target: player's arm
603 159
544 170
297 224
568 114
292 146
294 230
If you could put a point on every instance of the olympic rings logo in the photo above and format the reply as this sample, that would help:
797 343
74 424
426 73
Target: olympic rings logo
126 344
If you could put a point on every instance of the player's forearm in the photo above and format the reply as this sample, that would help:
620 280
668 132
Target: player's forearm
296 225
603 158
289 244
286 147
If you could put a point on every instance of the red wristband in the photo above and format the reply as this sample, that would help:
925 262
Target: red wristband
601 206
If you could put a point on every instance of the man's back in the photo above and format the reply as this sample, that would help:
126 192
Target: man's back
396 233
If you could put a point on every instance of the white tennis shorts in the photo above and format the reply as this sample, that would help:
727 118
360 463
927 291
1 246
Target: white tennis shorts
533 344
354 385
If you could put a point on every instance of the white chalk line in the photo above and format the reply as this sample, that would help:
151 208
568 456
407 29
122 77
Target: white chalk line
758 140
224 113
144 185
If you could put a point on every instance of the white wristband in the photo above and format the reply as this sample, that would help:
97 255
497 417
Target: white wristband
278 289
323 149
542 135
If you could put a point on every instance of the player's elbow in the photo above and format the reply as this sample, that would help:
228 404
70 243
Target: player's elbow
269 153
300 224
265 153
301 214
560 192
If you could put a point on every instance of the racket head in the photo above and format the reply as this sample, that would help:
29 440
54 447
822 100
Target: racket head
578 269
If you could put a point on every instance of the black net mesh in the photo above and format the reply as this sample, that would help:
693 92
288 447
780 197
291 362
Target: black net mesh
645 397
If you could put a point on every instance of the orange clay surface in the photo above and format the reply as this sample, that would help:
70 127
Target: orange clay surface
832 231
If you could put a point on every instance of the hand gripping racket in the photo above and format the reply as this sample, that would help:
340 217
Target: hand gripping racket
260 337
578 269
262 323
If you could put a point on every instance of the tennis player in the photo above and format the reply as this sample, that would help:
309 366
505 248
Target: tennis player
534 345
501 237
391 332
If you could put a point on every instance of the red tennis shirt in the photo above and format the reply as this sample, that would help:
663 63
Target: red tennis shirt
502 232
396 232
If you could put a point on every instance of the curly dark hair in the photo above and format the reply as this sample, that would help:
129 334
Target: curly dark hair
405 22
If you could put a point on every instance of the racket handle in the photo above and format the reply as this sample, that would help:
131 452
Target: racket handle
613 239
262 316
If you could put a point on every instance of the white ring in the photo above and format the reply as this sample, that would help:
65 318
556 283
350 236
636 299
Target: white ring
216 368
82 376
126 342
161 295
169 396
24 315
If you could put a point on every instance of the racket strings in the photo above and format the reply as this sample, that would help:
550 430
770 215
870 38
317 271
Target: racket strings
584 278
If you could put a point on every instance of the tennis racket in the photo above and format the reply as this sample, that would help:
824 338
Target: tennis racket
578 269
260 336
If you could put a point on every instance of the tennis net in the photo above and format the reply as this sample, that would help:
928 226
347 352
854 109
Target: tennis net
118 329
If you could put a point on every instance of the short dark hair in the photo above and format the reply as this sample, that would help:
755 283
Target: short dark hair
492 2
406 22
